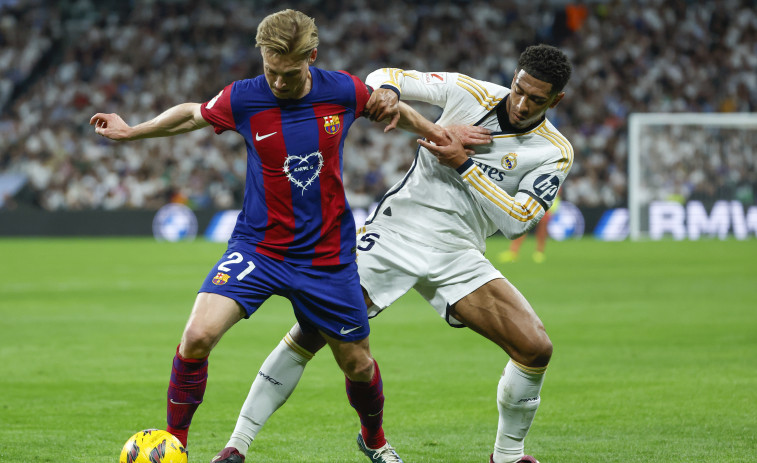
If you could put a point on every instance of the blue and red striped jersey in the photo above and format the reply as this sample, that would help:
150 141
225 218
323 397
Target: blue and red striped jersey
295 208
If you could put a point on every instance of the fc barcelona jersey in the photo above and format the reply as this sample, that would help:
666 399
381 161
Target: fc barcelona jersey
295 207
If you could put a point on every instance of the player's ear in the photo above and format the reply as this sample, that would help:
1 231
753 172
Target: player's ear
557 99
311 58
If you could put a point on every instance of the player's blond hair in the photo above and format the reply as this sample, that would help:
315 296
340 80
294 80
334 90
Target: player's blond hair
288 32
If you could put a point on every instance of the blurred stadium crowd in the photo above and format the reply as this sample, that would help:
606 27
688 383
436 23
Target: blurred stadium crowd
61 62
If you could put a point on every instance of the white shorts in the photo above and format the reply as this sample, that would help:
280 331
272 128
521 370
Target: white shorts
390 264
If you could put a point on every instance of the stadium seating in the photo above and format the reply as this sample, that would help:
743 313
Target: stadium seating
61 64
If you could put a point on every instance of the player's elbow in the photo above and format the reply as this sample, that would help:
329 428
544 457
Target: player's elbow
517 229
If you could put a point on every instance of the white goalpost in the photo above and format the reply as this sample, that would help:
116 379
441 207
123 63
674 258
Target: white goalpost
682 164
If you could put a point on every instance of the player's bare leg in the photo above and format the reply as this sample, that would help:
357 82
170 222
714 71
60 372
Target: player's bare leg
212 315
499 312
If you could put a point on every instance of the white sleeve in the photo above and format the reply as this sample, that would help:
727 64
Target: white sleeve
464 100
515 215
429 87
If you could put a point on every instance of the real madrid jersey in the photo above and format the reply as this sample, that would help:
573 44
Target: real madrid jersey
295 207
507 185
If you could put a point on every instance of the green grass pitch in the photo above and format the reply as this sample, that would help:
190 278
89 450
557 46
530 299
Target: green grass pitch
655 358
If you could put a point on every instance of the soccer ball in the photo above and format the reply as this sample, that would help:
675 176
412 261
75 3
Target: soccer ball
153 446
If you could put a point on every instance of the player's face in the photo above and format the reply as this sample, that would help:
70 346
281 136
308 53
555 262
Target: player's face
287 75
529 99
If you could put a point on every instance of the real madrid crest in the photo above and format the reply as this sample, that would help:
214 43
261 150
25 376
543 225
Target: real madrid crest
331 124
509 161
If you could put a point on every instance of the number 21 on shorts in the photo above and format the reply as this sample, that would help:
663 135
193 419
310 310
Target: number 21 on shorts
234 259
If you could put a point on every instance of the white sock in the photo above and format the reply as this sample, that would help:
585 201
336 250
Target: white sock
517 400
274 383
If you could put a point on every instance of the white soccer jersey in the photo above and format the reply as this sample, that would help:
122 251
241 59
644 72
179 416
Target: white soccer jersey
508 186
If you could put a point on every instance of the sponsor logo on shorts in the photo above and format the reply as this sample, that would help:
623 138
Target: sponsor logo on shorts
220 279
344 331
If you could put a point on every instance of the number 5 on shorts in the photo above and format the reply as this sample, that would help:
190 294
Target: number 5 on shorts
367 241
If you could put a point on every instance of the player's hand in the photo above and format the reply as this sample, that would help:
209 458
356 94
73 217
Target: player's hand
451 155
384 104
110 126
471 135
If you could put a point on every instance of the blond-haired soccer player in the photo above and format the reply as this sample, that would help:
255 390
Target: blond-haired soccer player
429 232
295 235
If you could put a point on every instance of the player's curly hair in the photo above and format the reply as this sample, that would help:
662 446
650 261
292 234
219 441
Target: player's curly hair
546 63
288 32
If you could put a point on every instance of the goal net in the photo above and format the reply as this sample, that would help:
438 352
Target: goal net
692 175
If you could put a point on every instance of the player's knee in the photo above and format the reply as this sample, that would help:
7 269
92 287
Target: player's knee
311 342
358 368
196 343
536 352
544 353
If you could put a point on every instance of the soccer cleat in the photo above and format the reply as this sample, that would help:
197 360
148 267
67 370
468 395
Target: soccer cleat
508 256
539 257
385 454
525 459
228 455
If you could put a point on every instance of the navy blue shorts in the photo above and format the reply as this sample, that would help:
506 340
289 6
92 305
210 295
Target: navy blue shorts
328 299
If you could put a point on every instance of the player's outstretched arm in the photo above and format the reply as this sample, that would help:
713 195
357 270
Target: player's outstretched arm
181 118
412 121
469 135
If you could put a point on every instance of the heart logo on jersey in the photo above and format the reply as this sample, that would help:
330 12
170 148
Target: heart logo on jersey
303 170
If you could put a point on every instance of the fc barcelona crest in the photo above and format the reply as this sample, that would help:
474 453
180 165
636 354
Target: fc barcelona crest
331 124
220 279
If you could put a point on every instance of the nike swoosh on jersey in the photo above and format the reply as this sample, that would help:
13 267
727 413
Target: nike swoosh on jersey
258 137
343 331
